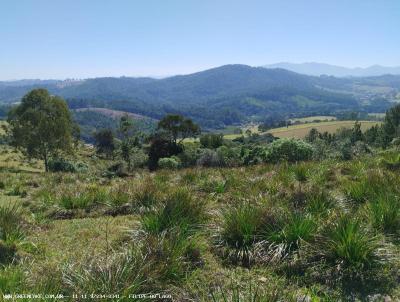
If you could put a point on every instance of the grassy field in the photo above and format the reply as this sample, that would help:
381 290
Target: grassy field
313 118
301 130
313 231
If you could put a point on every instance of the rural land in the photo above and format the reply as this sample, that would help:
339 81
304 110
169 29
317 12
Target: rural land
116 203
199 151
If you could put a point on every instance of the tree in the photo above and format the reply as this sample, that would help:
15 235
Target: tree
312 136
126 126
160 148
128 143
41 126
357 134
104 142
211 140
391 126
176 126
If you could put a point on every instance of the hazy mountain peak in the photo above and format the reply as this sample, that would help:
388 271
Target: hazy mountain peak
317 69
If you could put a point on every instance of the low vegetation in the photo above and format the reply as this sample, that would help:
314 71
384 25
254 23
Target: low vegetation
253 219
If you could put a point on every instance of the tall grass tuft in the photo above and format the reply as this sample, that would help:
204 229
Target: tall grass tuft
287 235
10 223
121 273
240 231
384 213
319 202
347 245
248 292
180 210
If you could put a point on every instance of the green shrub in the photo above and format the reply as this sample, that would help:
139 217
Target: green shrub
230 157
209 158
169 163
289 150
211 140
61 165
118 169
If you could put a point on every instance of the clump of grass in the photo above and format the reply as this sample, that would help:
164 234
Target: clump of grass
121 273
392 163
180 210
368 186
173 255
146 195
347 246
250 291
384 214
83 199
240 231
17 190
10 232
11 279
319 202
287 235
10 223
300 172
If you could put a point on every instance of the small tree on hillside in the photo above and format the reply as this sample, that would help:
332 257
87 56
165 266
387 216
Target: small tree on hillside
41 126
126 126
104 142
178 127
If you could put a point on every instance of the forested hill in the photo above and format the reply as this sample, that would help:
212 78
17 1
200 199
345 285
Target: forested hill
220 96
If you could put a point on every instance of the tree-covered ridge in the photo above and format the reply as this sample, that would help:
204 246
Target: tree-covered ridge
223 96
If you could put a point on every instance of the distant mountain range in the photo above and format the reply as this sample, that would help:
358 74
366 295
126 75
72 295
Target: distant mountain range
226 95
317 69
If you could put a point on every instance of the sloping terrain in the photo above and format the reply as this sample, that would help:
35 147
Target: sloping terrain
226 95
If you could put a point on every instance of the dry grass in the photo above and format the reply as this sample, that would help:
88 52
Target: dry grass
300 131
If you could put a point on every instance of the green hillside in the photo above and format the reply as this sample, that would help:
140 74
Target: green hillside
221 96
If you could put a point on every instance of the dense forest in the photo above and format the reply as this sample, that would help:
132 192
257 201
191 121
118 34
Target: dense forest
226 95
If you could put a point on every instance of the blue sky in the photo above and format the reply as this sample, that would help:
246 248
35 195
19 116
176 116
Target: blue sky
89 38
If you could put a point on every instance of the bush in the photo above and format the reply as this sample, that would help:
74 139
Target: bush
169 163
189 156
116 170
211 140
209 158
63 165
230 157
289 150
139 158
254 155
